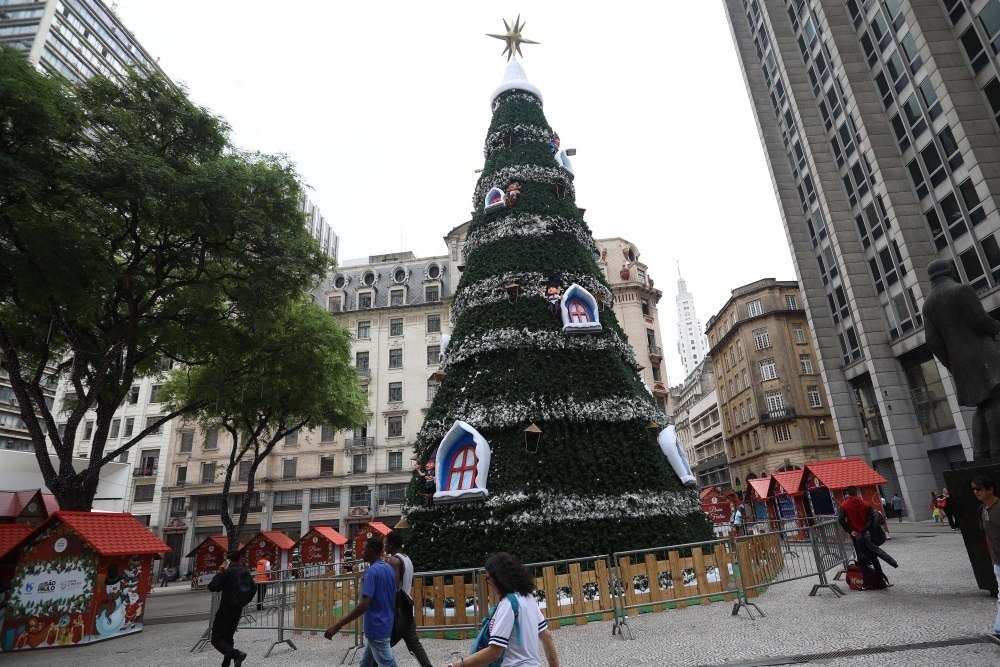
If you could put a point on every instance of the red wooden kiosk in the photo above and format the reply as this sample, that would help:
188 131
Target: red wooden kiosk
717 505
11 535
80 577
273 545
370 529
31 508
321 545
828 480
208 557
789 494
760 500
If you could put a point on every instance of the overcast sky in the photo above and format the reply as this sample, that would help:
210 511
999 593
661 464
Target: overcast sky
384 107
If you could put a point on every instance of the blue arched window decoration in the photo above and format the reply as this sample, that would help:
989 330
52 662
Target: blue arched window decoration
579 311
462 465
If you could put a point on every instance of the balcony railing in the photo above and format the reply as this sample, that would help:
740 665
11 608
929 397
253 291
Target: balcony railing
777 415
144 471
655 351
364 372
359 443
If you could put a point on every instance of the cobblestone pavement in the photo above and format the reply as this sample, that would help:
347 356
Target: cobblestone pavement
934 600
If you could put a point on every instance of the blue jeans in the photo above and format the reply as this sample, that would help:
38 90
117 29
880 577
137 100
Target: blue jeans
996 624
378 652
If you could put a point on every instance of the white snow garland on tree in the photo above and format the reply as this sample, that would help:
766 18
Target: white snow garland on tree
494 141
524 97
551 507
521 173
526 339
493 290
498 415
527 224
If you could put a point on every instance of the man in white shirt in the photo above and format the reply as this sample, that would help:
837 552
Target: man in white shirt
404 569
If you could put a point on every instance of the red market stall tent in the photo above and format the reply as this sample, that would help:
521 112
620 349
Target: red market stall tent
273 545
208 557
80 577
789 495
321 545
759 498
828 480
11 535
370 529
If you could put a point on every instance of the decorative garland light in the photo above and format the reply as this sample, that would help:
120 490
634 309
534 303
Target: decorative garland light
527 224
519 96
525 339
521 172
491 290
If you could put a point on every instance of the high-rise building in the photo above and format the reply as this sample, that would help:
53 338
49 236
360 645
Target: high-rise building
775 416
691 343
319 228
75 38
880 124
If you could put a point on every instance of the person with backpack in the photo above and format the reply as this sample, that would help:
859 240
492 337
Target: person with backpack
378 603
404 567
237 586
516 627
861 520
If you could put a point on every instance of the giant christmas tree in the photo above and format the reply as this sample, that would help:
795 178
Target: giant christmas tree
536 347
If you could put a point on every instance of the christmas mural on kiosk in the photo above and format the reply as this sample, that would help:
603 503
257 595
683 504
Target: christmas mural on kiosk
542 439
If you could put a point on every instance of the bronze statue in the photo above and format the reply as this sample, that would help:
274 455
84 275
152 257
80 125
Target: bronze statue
963 337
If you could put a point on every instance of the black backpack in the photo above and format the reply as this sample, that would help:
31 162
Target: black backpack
243 589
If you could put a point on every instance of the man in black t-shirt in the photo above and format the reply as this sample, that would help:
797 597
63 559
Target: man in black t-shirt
228 615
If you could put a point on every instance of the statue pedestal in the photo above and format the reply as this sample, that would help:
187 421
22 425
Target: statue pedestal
964 506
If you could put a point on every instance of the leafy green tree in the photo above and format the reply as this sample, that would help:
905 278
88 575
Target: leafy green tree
294 372
597 480
131 230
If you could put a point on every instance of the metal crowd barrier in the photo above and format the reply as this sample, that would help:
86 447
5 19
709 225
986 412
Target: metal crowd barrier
452 603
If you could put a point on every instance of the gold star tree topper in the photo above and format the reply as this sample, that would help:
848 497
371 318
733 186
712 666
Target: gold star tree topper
513 38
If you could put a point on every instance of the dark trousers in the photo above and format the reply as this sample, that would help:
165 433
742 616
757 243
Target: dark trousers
414 646
223 630
261 592
952 519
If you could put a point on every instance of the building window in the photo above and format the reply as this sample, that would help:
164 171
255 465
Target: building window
768 371
187 441
775 403
645 306
211 439
433 355
360 496
815 401
288 468
288 500
333 304
292 438
116 425
178 506
243 472
433 324
364 330
208 472
799 334
133 395
396 357
361 361
149 460
364 300
326 497
208 504
928 396
432 388
326 466
396 326
88 429
805 362
790 302
393 494
432 293
154 393
395 392
327 433
395 461
396 297
182 474
143 493
152 420
821 429
761 340
655 368
754 308
129 427
359 464
395 427
782 433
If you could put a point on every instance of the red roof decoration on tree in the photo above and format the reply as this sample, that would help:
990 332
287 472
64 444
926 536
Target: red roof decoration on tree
841 473
790 481
12 534
330 534
761 486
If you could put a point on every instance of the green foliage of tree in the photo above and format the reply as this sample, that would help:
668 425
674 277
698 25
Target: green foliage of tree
295 371
130 230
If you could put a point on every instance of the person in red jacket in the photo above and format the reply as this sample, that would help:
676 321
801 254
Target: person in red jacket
858 517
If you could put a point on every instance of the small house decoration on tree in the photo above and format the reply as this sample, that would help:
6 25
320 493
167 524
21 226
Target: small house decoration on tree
579 311
463 464
494 200
671 448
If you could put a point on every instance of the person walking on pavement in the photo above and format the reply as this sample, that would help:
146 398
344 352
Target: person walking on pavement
396 558
263 574
378 603
989 519
949 509
228 616
897 506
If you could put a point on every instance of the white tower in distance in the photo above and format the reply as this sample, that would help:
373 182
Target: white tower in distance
691 342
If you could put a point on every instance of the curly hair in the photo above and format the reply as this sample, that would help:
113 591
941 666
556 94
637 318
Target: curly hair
509 574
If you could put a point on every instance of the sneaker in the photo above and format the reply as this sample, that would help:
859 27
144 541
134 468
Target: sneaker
239 659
